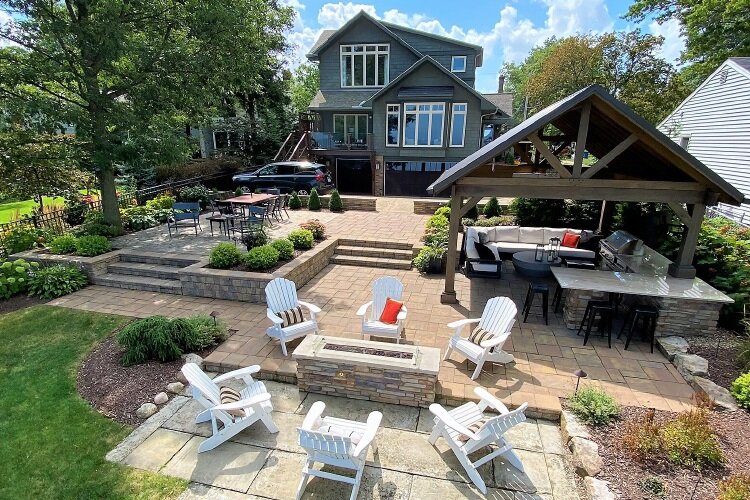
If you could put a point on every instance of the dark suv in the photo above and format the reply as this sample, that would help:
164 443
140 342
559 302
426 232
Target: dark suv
287 176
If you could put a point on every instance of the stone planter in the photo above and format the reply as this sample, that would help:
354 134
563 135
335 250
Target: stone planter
91 266
363 369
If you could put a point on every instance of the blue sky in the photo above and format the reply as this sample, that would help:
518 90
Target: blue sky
507 29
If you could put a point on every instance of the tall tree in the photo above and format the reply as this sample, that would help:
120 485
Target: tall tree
714 30
110 66
305 84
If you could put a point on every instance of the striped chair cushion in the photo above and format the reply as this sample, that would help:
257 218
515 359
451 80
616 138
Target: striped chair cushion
479 334
291 316
229 395
475 428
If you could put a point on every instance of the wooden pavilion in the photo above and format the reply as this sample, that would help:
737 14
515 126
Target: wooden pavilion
635 162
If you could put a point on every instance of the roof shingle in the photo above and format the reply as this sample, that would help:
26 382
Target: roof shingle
340 99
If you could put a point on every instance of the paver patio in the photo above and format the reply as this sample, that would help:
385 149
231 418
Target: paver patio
406 466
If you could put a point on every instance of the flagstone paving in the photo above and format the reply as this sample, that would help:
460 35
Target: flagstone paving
405 466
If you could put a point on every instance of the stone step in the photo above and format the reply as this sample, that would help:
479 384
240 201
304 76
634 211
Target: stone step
384 253
351 260
395 245
139 283
173 260
143 269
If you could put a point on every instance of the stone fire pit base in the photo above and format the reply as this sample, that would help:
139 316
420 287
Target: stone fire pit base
364 369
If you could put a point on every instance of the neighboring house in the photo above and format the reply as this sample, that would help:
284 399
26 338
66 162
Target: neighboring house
713 124
396 107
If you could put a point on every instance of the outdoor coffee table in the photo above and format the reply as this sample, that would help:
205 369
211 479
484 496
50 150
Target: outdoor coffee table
525 264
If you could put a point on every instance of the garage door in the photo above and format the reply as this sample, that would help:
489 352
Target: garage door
411 178
353 176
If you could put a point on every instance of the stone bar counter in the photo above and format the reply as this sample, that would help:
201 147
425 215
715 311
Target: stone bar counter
686 306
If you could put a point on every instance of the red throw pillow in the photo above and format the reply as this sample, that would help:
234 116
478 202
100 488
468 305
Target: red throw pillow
571 240
390 311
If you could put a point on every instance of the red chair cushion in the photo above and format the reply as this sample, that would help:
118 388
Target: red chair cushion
390 311
570 240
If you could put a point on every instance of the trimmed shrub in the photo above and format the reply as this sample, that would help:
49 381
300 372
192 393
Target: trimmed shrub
736 487
334 203
224 255
741 390
492 208
197 333
15 276
263 257
473 213
162 202
294 202
317 228
254 239
689 440
313 201
25 238
63 244
594 406
502 220
284 247
302 239
91 246
55 281
444 211
427 255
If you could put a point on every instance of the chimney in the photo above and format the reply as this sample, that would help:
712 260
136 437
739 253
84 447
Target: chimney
500 84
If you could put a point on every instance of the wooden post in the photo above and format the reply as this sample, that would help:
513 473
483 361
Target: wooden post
449 293
583 130
683 265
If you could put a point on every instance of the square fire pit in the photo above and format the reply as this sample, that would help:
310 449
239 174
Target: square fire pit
363 369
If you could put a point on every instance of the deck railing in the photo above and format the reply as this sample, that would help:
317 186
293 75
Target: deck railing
329 140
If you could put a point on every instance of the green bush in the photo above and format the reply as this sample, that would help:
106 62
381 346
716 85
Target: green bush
75 208
284 247
316 227
444 211
198 193
302 239
473 213
334 203
427 255
313 201
15 276
735 487
254 239
55 281
202 332
224 255
689 440
63 244
436 231
594 406
94 225
536 212
91 246
260 258
294 202
238 192
162 202
138 218
741 390
503 220
25 238
492 208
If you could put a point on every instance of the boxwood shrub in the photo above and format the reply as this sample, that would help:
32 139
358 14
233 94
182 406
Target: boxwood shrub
285 248
302 239
262 257
224 255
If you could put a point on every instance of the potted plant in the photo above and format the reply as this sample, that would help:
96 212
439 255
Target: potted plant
431 259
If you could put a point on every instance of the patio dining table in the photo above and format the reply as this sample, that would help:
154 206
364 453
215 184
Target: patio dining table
250 199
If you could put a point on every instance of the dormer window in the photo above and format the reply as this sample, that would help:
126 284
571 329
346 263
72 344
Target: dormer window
364 65
458 64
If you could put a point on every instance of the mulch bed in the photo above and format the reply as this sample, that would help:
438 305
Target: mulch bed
721 351
625 474
18 302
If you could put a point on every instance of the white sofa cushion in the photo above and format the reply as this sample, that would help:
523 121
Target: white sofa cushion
505 233
531 235
554 232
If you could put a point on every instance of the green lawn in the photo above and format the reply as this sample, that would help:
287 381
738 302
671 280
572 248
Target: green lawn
53 443
8 209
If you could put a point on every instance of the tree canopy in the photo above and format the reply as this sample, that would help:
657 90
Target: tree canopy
305 84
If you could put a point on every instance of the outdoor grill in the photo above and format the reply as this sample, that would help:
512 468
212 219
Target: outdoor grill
618 245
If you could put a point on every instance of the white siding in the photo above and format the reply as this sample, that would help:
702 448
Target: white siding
716 117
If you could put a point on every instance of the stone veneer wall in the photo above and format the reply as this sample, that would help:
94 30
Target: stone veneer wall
201 281
91 266
362 203
676 316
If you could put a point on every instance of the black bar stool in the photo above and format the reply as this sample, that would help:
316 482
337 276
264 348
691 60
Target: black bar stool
557 299
605 310
648 315
536 288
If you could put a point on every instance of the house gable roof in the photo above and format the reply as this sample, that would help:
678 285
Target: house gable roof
485 103
742 63
503 101
611 121
478 48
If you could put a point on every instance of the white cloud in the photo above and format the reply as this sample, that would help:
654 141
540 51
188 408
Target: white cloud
333 15
674 43
5 19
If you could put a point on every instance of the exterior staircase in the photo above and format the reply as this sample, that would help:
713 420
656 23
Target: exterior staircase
150 272
382 254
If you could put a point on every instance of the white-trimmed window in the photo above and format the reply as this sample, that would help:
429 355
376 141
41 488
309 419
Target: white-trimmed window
423 124
458 125
458 64
224 139
392 124
364 65
350 129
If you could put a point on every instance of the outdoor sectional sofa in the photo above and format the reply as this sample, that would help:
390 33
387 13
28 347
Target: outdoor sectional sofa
511 239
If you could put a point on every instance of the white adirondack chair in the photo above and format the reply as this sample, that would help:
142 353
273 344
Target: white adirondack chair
281 295
498 318
383 288
336 442
255 403
454 425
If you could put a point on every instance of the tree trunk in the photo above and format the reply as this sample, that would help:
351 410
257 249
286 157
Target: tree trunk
110 204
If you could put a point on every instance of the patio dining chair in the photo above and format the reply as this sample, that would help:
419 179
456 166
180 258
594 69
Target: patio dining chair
253 223
278 205
223 214
184 215
268 211
467 430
